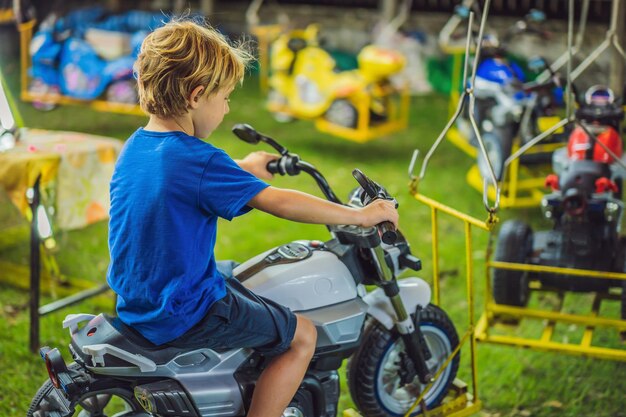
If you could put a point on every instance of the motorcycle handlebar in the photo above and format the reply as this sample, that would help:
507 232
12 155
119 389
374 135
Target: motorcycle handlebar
386 229
272 167
291 164
387 232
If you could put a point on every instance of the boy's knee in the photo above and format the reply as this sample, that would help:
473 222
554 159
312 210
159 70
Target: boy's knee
305 337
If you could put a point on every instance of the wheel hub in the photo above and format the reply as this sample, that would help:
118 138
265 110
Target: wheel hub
398 377
292 412
406 369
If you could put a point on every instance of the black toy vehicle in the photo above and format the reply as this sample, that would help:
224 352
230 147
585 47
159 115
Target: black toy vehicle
585 207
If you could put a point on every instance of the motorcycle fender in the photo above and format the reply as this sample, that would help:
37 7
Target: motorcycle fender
413 292
348 84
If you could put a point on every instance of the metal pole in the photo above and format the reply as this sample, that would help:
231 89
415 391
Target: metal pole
72 299
469 264
387 10
616 77
34 196
570 31
435 237
207 7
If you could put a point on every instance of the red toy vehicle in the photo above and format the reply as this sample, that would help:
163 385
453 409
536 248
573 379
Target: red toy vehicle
585 206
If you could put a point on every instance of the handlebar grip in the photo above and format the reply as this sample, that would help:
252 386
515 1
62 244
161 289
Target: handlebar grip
387 232
272 167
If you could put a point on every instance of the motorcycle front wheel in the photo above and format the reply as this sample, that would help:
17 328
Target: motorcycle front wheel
116 402
377 376
276 97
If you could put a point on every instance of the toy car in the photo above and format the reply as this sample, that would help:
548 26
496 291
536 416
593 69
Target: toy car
585 207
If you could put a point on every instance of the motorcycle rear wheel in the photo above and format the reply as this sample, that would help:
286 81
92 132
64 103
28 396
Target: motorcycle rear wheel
515 245
373 377
276 97
342 113
116 402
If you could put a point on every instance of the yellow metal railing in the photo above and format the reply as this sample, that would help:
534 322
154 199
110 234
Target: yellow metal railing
550 319
473 403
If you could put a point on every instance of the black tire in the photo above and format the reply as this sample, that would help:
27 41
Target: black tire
43 404
498 143
301 405
375 357
342 113
515 244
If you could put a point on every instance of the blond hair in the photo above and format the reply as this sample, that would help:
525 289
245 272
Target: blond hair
180 56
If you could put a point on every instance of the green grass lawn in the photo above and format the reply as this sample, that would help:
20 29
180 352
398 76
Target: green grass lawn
511 381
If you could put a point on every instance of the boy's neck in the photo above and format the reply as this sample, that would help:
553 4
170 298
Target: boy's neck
170 124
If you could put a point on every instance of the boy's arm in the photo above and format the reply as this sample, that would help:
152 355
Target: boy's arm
305 208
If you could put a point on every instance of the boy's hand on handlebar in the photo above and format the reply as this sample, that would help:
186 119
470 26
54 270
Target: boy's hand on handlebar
256 164
377 212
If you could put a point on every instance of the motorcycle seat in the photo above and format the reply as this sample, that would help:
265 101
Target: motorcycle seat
582 175
105 329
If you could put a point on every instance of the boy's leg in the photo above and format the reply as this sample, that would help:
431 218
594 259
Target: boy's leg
279 381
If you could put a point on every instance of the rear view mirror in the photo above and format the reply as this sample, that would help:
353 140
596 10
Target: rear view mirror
246 133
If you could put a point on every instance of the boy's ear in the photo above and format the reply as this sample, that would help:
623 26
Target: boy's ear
194 97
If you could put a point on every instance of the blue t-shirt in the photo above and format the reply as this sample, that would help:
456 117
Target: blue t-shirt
167 191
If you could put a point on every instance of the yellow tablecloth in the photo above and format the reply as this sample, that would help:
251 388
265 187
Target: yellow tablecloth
77 167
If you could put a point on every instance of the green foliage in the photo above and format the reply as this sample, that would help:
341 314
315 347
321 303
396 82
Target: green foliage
512 382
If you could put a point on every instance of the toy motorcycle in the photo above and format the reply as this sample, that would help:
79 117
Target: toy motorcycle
396 339
304 82
507 105
63 61
585 206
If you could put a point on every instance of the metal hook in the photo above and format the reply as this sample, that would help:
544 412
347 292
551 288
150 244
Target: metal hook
468 90
569 108
575 49
412 164
459 107
414 181
611 39
472 103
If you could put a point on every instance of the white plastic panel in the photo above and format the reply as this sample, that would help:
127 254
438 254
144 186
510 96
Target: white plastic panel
318 281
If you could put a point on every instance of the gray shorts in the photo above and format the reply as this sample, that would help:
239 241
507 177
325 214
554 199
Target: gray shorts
242 319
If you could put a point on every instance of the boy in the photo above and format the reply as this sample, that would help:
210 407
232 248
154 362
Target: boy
168 190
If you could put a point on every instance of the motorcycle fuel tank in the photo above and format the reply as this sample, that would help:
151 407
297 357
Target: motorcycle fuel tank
299 275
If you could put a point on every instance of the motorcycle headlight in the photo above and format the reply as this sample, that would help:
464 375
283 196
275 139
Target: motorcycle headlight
611 211
355 198
487 125
546 208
